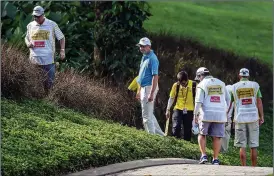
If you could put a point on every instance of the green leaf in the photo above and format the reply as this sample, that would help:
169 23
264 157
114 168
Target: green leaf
10 10
27 20
130 23
128 15
55 16
18 31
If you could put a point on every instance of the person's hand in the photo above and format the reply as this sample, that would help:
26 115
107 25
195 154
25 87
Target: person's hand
261 121
150 97
167 114
30 45
62 54
196 119
138 96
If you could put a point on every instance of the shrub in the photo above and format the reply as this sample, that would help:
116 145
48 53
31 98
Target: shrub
19 78
95 97
42 139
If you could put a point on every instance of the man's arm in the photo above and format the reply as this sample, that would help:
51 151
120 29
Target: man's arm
60 36
138 92
155 77
261 111
227 97
260 107
62 44
231 102
199 99
27 40
154 84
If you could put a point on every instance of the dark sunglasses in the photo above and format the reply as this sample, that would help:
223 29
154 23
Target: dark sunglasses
36 16
142 46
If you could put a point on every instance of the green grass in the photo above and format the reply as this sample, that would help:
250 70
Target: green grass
244 28
39 138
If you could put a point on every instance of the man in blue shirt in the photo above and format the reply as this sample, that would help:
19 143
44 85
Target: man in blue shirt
148 81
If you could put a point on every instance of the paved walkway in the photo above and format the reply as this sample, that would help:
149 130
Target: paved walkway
197 169
172 166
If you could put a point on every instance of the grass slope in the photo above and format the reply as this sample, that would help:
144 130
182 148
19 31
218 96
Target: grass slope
244 28
41 139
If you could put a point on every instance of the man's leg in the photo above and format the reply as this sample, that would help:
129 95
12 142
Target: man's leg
158 129
147 120
203 126
253 141
225 140
187 123
147 111
176 123
243 156
253 155
50 75
217 131
241 141
202 144
216 147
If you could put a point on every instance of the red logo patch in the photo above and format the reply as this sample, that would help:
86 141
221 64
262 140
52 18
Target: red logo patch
246 101
215 99
39 44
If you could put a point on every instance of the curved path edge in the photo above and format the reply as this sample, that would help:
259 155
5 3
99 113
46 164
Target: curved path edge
131 165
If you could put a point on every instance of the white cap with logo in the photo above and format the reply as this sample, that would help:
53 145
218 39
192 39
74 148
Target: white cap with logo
144 41
200 71
244 72
38 11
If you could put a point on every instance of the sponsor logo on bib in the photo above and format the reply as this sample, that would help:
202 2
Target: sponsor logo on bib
245 92
39 44
247 101
214 90
215 99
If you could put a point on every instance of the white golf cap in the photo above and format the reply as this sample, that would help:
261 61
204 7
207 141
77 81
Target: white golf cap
200 71
38 11
195 129
244 72
144 41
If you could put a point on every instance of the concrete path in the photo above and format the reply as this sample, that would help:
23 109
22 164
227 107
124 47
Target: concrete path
197 169
172 166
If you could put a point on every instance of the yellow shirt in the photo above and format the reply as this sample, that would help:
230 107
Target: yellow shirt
134 85
185 96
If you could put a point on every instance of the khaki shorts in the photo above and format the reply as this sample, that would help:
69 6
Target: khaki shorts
247 132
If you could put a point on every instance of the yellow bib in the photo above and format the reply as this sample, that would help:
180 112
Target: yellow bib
185 97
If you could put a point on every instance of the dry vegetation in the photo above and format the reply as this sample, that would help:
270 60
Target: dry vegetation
20 79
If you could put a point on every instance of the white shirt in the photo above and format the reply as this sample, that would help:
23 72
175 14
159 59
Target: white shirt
43 38
215 99
245 98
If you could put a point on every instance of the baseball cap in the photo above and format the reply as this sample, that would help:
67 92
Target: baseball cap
144 41
195 129
244 72
38 11
200 71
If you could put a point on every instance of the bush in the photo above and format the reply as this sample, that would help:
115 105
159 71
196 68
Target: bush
41 139
94 97
19 78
